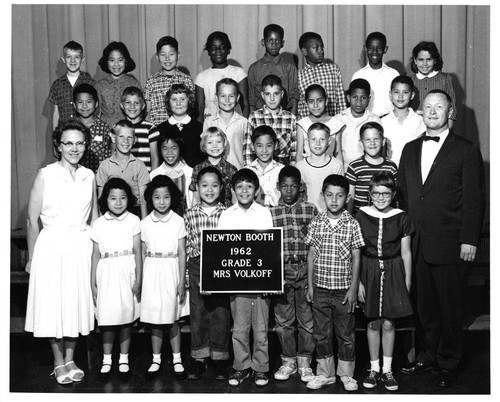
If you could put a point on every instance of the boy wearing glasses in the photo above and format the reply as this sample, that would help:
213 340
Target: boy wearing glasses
291 309
361 170
126 166
273 63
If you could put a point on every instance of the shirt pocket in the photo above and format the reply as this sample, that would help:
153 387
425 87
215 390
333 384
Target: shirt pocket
344 250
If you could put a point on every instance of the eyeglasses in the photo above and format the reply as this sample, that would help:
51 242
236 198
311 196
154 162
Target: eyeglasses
376 194
69 144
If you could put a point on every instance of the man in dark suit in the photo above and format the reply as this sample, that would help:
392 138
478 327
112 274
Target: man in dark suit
441 179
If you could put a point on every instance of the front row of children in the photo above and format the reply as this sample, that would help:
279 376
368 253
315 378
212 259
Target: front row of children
325 275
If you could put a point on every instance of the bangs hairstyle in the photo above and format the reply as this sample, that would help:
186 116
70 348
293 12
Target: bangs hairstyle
72 45
209 170
181 89
124 123
371 124
270 81
120 47
222 36
213 132
159 182
85 89
335 180
376 36
385 179
264 130
247 175
315 87
274 28
306 37
175 137
403 79
226 81
359 83
319 126
433 51
115 183
291 172
167 41
68 125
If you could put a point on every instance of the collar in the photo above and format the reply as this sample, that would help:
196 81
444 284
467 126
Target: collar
199 208
165 219
392 115
308 66
108 216
112 158
266 59
295 205
420 76
185 120
377 214
368 67
343 218
441 135
267 111
235 116
164 73
177 168
269 167
81 172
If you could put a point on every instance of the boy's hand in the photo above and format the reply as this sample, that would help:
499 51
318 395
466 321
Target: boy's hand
181 291
351 299
136 289
361 293
309 294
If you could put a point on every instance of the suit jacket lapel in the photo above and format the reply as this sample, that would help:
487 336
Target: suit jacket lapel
419 161
448 143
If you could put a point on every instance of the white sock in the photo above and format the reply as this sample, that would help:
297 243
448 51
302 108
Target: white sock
123 359
157 358
387 364
155 367
106 359
178 368
177 358
375 365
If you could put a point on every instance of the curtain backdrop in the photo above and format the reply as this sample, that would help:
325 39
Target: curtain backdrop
462 33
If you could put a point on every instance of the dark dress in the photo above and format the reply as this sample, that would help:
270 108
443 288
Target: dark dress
382 269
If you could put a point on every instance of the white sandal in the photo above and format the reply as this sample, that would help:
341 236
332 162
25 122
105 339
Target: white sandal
63 379
77 374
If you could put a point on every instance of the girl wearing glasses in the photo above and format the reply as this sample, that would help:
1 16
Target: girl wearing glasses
385 277
63 198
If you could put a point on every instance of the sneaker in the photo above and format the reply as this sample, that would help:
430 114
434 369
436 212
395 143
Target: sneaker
260 378
220 369
320 381
371 380
196 370
238 377
285 372
306 374
389 381
350 383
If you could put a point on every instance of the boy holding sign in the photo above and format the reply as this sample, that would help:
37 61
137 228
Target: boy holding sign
294 214
248 308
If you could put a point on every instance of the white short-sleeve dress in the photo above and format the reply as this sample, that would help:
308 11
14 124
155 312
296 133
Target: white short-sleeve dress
159 298
115 274
59 294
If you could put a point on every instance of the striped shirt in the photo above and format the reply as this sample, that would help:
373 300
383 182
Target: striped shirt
156 88
328 76
141 148
360 172
195 220
294 219
332 267
100 145
284 124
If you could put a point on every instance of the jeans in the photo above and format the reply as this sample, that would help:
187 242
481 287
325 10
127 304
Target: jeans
210 319
290 307
250 311
331 316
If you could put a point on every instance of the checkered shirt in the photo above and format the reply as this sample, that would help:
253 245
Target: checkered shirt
141 148
156 88
294 219
333 258
226 169
100 145
329 77
195 220
61 94
284 124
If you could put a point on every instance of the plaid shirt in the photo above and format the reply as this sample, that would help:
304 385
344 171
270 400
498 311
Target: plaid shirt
195 220
226 169
156 88
100 145
329 77
294 219
284 124
61 94
333 258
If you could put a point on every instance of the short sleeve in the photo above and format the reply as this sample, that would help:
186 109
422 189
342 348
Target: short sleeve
136 224
311 238
407 227
357 236
143 229
182 229
143 175
94 231
101 176
350 175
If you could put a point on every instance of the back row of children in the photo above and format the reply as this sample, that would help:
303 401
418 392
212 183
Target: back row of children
111 101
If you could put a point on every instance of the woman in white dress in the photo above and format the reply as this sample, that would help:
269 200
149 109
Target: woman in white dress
59 297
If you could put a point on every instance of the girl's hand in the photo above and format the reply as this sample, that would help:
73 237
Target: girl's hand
136 289
27 268
181 290
361 293
94 294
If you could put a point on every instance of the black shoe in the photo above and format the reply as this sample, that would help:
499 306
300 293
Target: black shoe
445 379
196 371
220 369
415 368
180 375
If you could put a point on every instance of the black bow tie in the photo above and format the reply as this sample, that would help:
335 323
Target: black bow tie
429 138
